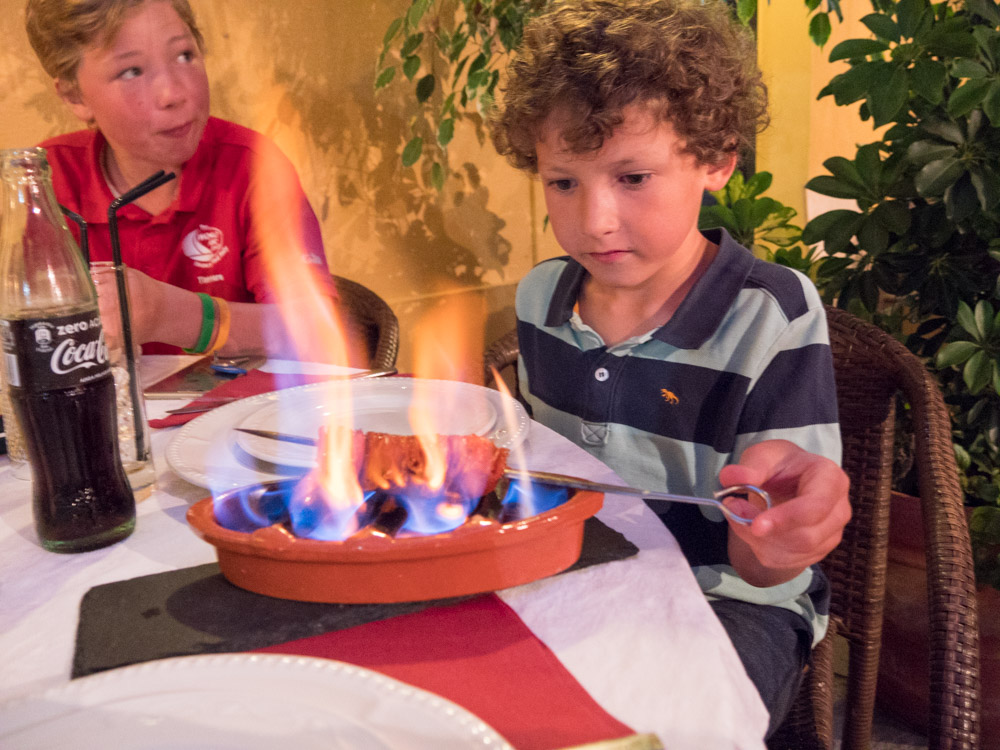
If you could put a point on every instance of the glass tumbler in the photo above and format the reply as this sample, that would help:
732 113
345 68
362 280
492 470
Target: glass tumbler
16 450
133 428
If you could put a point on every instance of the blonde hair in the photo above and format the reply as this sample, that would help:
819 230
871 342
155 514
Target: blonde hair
688 61
60 30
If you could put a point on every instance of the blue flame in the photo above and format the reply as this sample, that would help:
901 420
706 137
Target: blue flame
255 507
313 518
435 514
525 499
258 506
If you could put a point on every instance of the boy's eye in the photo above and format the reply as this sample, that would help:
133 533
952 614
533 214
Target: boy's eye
187 55
634 180
129 73
561 185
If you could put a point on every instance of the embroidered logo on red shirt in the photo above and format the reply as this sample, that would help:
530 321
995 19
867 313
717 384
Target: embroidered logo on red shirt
204 246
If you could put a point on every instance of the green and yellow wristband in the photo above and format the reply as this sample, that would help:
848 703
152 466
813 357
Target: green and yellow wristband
207 325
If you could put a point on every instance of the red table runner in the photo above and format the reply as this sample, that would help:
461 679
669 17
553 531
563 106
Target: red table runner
480 655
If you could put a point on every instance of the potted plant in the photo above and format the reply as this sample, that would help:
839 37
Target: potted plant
920 255
758 222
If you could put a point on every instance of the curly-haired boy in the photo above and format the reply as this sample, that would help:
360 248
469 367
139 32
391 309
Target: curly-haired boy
674 356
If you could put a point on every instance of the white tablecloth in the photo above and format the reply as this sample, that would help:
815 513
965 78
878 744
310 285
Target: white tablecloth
637 633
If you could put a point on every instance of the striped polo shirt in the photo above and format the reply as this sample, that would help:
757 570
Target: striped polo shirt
745 358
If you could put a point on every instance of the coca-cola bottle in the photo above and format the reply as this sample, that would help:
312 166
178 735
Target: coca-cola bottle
56 366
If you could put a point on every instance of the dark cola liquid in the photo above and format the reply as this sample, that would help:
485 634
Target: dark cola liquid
82 498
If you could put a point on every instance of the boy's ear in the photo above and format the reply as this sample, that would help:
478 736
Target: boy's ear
719 175
69 92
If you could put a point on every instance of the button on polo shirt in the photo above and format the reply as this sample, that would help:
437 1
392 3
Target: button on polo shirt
601 374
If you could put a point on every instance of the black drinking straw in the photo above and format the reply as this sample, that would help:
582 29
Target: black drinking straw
82 223
150 183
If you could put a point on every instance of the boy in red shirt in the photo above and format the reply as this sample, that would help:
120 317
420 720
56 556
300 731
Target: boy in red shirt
134 72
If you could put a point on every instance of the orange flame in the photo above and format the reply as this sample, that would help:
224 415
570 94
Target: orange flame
312 329
447 343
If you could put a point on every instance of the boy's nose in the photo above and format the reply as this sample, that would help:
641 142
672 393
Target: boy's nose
169 90
599 213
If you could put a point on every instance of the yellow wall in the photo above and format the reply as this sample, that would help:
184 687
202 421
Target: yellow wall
804 131
302 72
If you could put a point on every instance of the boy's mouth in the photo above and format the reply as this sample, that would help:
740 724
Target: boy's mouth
179 132
608 256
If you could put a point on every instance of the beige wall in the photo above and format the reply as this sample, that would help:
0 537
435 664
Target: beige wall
301 71
805 131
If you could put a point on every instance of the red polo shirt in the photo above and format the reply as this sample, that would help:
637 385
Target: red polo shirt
211 239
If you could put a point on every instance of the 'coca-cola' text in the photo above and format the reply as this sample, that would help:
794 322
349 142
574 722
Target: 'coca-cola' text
68 356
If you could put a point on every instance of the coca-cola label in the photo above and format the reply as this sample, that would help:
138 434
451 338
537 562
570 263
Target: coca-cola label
41 354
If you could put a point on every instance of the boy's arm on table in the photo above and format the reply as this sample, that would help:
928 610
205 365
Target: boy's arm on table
172 315
811 508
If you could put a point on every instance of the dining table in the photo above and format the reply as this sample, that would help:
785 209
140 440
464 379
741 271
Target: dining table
634 637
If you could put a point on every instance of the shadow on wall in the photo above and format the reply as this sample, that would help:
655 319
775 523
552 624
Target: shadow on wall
382 227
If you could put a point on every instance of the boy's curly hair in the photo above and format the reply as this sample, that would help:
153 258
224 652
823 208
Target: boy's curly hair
689 60
60 30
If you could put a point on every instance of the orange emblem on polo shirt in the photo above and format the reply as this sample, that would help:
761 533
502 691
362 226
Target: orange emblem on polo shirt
669 396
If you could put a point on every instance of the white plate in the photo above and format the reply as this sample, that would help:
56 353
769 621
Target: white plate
205 452
245 701
375 406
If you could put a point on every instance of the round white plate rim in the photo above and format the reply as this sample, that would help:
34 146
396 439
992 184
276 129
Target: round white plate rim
244 673
385 389
190 449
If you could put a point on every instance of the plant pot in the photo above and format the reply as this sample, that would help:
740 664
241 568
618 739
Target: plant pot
903 690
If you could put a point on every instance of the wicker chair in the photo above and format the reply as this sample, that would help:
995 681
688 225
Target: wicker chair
372 322
871 368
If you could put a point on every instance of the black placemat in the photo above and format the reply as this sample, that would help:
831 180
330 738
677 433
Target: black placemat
197 611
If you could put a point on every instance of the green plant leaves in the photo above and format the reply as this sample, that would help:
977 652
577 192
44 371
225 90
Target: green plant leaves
835 229
410 66
390 33
968 97
987 9
977 372
745 10
854 48
410 45
446 131
991 103
923 152
967 320
437 176
384 78
927 78
827 185
412 151
756 221
888 93
955 353
882 26
937 175
416 12
820 29
966 68
893 215
425 87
